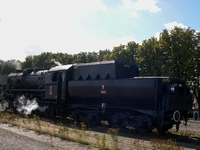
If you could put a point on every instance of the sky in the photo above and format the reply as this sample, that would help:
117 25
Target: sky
31 27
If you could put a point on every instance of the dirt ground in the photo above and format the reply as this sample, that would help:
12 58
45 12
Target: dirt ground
191 131
13 137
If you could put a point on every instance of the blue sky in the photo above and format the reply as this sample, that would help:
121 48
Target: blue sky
30 27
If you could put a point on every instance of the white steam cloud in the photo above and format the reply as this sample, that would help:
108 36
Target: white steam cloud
26 106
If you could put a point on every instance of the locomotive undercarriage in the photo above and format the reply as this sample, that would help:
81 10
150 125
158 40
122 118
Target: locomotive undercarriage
89 117
140 122
93 116
136 119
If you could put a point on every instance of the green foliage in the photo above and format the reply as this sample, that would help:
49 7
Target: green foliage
83 126
196 58
102 54
182 53
87 57
113 133
102 141
176 53
149 58
8 66
165 144
124 53
28 63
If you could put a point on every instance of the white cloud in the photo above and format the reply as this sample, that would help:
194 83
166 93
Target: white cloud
33 50
134 14
140 5
171 25
35 26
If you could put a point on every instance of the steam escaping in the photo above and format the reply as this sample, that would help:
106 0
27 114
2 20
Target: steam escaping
42 109
56 62
26 106
18 66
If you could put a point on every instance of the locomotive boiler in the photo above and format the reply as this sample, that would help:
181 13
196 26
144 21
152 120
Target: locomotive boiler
109 91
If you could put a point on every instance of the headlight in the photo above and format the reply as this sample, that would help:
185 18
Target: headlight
172 88
191 91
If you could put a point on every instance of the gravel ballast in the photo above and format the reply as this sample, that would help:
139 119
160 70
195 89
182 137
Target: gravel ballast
14 138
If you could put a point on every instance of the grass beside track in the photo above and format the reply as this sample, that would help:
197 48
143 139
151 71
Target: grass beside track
104 138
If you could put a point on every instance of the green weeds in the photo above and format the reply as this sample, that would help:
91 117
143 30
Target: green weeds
105 141
165 144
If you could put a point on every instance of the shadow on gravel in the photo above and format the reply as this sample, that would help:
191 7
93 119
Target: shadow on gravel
187 140
186 137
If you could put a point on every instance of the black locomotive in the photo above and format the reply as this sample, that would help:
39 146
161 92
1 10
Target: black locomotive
111 91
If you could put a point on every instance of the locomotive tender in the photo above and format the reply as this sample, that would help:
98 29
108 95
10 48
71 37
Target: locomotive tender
110 90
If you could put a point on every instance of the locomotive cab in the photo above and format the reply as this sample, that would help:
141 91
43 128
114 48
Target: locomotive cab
56 88
56 83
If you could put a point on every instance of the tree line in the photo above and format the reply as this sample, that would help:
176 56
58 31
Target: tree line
176 53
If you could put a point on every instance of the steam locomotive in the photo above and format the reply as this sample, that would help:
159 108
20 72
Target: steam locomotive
109 91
